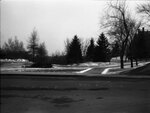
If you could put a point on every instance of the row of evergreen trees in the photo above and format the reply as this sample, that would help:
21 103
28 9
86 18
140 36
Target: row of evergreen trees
99 52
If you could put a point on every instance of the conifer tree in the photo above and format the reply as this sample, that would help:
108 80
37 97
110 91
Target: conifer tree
74 54
42 52
90 50
101 50
33 45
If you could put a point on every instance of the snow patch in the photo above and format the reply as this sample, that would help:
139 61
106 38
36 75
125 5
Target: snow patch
105 71
83 71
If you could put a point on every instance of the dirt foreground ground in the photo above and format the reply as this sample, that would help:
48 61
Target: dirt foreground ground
40 94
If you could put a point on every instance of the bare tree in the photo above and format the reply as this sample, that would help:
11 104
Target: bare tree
145 9
67 44
84 46
119 25
134 26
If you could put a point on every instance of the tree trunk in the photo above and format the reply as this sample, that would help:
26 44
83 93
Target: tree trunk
126 59
121 62
136 62
33 54
131 61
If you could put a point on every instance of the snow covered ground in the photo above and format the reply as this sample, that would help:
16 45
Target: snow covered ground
13 60
91 67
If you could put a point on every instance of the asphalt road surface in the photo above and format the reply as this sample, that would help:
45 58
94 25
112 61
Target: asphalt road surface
50 94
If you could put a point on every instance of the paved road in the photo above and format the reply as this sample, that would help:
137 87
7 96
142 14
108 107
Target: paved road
63 94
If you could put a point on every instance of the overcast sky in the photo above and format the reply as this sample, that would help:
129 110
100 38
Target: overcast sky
54 20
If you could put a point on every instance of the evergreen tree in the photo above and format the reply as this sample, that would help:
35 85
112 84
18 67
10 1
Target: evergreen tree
140 45
147 38
74 53
33 45
42 57
101 50
90 51
42 52
135 49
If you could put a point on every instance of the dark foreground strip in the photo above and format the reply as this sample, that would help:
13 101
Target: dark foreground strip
54 89
63 101
70 76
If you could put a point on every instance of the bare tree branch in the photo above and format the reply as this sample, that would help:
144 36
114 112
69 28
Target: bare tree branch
145 10
120 25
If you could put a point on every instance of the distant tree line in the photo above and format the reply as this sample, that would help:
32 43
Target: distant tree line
13 49
139 49
37 53
99 52
95 51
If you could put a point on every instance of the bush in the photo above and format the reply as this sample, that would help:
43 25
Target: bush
41 65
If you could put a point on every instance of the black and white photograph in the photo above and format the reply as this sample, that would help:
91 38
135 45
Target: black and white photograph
74 56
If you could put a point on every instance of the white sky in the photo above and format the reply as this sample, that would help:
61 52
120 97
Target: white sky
54 20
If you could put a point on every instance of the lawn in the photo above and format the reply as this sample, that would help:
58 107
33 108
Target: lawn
143 70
